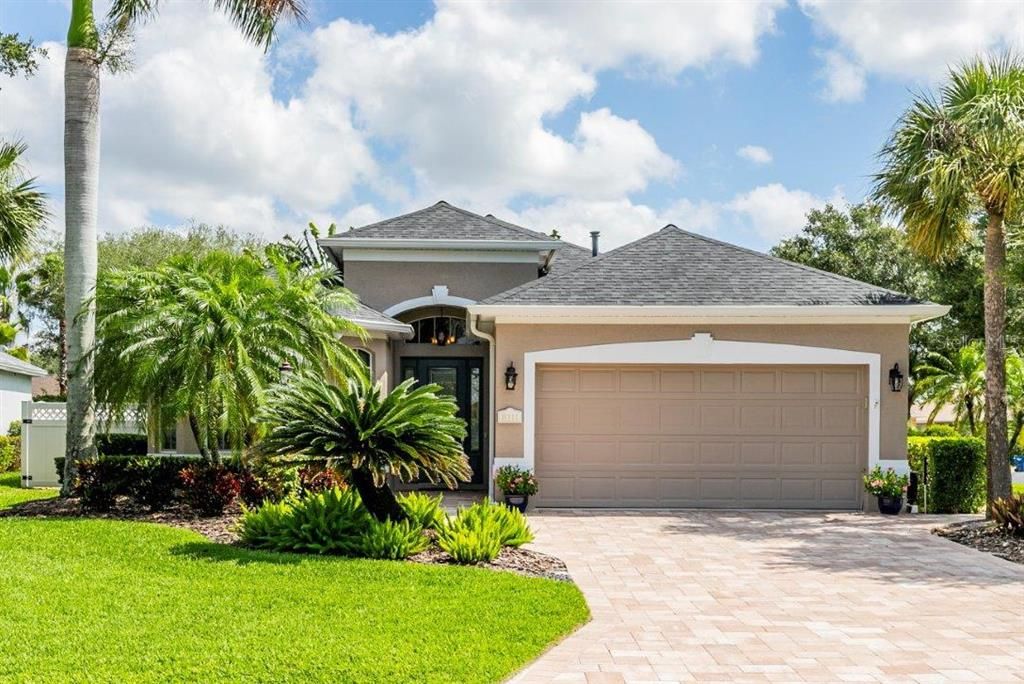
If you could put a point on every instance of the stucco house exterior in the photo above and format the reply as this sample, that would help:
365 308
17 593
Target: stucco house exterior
674 371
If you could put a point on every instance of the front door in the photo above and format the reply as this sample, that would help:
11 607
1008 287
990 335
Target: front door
463 380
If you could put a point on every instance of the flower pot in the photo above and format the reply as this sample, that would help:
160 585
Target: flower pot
890 505
517 501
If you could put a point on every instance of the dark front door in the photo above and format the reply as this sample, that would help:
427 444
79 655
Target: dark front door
462 379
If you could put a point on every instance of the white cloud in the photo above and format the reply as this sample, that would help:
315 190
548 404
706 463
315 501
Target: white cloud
774 211
908 39
755 154
465 102
760 216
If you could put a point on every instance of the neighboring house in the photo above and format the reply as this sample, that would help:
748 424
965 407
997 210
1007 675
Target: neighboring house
919 414
46 386
16 377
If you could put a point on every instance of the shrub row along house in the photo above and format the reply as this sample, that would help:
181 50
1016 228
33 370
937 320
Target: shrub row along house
676 370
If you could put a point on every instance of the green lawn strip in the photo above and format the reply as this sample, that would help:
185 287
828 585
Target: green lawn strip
99 600
1018 488
11 491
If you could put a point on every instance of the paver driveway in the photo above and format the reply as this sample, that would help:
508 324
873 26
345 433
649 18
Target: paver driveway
737 596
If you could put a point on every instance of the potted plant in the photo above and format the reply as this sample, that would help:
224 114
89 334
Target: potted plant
889 487
517 484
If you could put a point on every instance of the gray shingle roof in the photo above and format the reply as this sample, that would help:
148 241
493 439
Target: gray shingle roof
442 221
675 268
569 257
13 364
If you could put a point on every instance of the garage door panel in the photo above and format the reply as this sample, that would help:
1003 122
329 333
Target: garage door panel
661 436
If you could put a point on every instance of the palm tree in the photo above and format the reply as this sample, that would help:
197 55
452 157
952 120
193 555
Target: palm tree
949 159
203 338
367 435
957 380
257 20
22 205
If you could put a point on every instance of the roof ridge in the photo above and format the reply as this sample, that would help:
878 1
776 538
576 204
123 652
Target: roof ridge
501 222
393 218
552 278
787 262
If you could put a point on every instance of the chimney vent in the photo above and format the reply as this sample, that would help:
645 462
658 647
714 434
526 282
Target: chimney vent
594 235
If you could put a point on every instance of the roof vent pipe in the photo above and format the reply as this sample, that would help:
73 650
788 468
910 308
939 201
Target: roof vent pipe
594 235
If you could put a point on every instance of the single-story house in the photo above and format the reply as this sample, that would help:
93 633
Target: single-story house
15 387
674 371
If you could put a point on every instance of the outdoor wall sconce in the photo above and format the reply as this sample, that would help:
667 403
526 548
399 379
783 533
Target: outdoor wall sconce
510 376
895 378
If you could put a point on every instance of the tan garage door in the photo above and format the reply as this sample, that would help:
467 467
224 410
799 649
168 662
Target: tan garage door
701 436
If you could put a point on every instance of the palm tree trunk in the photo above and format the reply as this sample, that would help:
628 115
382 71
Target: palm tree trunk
62 356
200 436
81 180
995 361
379 501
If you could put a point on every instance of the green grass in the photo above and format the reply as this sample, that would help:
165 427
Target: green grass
11 492
110 601
1018 488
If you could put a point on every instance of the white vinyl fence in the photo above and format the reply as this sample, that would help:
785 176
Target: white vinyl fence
43 438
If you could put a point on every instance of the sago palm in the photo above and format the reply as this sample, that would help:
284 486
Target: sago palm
957 380
204 338
369 435
952 158
256 20
22 205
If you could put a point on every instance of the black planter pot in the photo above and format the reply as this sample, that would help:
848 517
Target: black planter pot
890 505
517 501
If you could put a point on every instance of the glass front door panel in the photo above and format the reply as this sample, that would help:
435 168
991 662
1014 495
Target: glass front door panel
462 379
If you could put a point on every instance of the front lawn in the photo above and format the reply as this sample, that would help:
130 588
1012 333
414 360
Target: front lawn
105 601
11 492
1018 488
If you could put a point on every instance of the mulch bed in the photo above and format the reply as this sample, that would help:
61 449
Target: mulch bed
220 529
985 536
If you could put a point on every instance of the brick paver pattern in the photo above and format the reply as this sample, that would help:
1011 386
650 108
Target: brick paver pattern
711 596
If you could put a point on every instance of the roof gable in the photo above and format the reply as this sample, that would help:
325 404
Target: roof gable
673 267
443 221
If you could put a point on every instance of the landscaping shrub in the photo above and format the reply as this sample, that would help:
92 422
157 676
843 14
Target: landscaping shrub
956 475
390 540
59 465
314 480
423 509
935 431
510 525
1009 514
468 545
121 444
14 429
209 487
154 482
331 522
10 453
100 481
917 452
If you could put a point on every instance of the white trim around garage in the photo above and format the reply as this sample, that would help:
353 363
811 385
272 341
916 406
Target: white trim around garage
702 348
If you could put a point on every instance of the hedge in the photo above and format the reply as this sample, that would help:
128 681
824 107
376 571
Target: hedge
956 472
10 453
121 444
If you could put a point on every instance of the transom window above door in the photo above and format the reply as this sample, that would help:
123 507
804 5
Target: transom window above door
441 331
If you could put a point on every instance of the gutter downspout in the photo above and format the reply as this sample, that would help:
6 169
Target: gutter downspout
472 320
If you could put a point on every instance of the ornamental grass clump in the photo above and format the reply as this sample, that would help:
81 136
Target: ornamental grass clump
478 533
423 509
1008 514
390 540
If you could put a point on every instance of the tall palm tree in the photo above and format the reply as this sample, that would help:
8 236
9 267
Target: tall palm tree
957 380
22 205
257 20
369 436
950 158
204 338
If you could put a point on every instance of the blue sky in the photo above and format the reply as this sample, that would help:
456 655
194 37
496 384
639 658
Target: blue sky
732 119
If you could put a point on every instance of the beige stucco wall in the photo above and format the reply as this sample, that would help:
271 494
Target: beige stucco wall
381 284
891 341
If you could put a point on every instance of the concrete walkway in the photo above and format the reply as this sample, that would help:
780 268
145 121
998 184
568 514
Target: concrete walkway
782 597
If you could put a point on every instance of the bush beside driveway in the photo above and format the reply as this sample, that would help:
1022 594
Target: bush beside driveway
742 596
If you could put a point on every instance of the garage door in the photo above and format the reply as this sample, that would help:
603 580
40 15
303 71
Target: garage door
701 436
